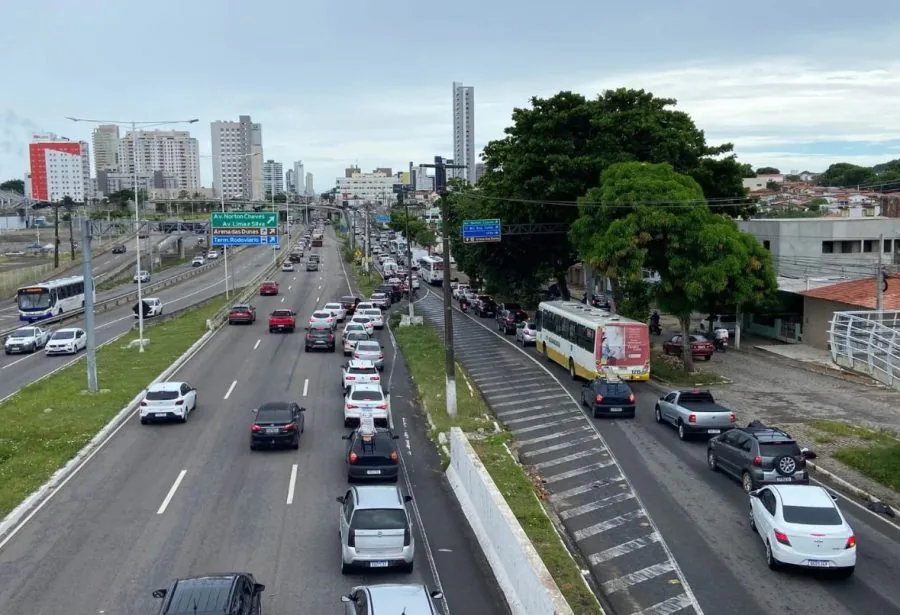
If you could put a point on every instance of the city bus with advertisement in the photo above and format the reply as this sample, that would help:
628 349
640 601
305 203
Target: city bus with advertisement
431 269
590 341
49 299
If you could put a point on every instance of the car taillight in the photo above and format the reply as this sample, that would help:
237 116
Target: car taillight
851 542
381 407
380 355
309 336
732 418
782 538
330 336
757 461
180 402
353 457
352 406
692 418
255 428
598 398
376 378
394 456
631 398
349 377
144 403
407 537
290 427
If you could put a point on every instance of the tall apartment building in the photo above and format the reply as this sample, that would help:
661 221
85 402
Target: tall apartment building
309 189
464 131
237 159
299 178
172 153
479 171
273 177
106 148
423 181
289 183
59 168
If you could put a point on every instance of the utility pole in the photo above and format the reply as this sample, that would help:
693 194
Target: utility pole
401 201
440 183
366 240
70 210
91 349
56 236
879 279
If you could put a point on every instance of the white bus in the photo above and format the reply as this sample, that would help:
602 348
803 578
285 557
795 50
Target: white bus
49 299
397 246
431 269
590 341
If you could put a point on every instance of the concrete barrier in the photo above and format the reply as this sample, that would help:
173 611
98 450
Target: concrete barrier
526 583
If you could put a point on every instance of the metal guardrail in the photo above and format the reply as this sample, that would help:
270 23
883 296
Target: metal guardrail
128 297
869 343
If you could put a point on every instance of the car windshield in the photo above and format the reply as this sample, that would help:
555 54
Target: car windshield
23 333
369 347
281 313
163 395
357 336
240 308
366 396
274 415
811 515
363 370
378 519
63 335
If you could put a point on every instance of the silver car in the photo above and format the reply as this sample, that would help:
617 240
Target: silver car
376 316
370 350
376 529
391 598
526 333
381 300
354 327
352 338
322 319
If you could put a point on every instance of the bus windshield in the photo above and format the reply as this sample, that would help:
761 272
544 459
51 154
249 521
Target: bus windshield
33 299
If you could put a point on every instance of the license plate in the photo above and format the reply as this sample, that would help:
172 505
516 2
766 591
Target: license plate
373 472
160 415
783 479
615 409
818 563
713 431
378 564
272 430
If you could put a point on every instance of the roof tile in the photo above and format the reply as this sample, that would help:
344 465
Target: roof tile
860 293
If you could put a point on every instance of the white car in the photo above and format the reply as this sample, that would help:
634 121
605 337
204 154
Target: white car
154 307
351 339
198 261
459 291
364 321
212 255
142 276
415 283
526 332
287 266
381 300
359 372
375 315
362 398
801 525
26 339
168 401
365 305
321 318
336 310
66 341
353 327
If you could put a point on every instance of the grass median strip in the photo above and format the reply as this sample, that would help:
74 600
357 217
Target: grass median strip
670 370
423 350
873 453
48 422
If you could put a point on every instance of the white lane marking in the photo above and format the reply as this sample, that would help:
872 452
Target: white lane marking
317 300
256 345
290 287
282 299
319 287
230 389
406 438
171 494
305 387
623 549
292 484
294 278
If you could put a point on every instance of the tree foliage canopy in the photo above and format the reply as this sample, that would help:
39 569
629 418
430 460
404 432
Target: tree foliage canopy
13 185
556 151
418 231
767 171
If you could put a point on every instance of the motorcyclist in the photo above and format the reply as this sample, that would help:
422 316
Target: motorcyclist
720 338
464 301
654 321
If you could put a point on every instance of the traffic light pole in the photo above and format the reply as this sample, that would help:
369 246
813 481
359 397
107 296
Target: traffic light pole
440 183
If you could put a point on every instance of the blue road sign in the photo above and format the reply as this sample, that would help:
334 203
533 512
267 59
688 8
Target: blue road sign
245 240
481 231
381 219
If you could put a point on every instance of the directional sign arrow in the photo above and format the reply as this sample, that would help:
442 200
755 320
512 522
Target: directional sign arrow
272 231
272 240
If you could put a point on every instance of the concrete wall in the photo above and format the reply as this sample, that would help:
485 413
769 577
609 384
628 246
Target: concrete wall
519 570
817 315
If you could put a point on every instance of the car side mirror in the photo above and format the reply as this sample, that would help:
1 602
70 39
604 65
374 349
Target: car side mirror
754 494
160 593
346 599
395 437
340 499
387 393
254 411
345 437
258 588
407 498
437 595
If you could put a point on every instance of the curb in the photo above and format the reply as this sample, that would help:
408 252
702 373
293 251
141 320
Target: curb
841 482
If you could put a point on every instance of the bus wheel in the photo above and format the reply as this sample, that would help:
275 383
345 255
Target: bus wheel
572 370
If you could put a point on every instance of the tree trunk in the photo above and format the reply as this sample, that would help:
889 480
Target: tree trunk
686 357
617 294
71 237
563 287
56 238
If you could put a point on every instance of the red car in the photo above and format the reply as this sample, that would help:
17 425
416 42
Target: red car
701 348
242 313
268 288
282 320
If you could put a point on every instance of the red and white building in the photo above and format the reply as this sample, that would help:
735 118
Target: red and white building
59 168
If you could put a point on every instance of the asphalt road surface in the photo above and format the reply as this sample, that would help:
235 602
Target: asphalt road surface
159 502
701 515
18 370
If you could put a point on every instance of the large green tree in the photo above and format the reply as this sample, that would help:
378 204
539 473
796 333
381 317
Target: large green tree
846 174
767 171
418 232
13 185
649 216
556 150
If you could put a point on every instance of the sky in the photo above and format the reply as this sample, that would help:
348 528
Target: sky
796 85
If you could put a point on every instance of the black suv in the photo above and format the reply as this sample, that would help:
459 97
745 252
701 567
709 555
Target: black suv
508 316
758 455
372 455
296 257
608 397
484 306
119 249
230 593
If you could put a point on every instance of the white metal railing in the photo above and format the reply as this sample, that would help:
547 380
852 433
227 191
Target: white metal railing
868 342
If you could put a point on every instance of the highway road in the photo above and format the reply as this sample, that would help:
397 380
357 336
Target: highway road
701 515
158 502
18 370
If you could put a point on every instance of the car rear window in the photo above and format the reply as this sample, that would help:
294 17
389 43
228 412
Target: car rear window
161 395
811 515
369 346
348 299
372 312
363 370
322 314
357 336
361 319
281 313
773 449
366 396
240 308
319 332
616 389
378 519
704 397
332 306
200 600
274 415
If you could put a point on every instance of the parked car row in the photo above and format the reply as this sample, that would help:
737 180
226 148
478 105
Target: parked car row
27 340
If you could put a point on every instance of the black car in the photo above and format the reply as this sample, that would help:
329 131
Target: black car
277 425
484 306
320 338
119 249
295 257
372 455
608 397
392 291
312 266
508 316
229 593
349 303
